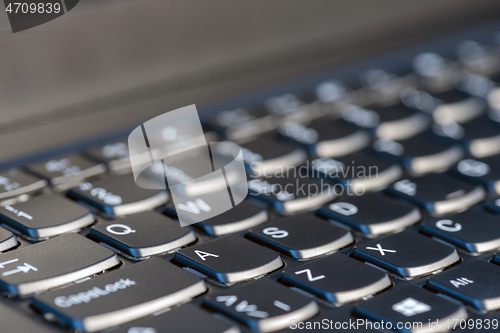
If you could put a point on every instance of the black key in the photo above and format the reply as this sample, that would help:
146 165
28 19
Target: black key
373 213
7 240
475 283
480 137
291 194
408 254
178 320
52 263
360 116
120 296
263 305
46 216
119 196
474 230
290 107
456 106
243 216
420 155
337 279
301 236
359 172
450 106
399 122
380 87
413 308
143 235
266 156
116 156
14 320
242 125
230 259
14 183
484 171
439 193
326 138
69 169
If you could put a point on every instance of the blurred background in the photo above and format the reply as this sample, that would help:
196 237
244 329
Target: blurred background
108 65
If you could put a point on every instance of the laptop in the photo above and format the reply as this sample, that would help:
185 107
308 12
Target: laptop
343 173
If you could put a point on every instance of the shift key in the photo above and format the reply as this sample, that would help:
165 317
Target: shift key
120 296
52 263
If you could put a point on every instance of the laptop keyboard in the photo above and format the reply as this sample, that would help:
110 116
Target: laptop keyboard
415 241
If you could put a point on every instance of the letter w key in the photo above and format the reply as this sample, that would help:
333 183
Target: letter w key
310 277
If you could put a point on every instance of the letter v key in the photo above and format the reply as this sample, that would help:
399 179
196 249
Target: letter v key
310 277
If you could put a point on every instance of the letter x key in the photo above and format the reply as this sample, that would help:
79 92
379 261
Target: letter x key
380 249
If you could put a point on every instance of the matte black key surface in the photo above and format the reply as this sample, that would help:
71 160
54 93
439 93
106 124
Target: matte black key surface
372 213
184 319
408 254
290 107
420 155
13 320
291 194
456 106
411 305
266 156
399 122
119 195
337 279
439 193
359 172
143 234
475 283
327 138
301 236
480 137
242 125
230 259
484 171
263 305
474 230
115 155
52 263
15 182
67 169
46 216
121 296
7 240
243 216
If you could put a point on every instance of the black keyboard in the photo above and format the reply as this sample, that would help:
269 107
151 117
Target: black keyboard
373 205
